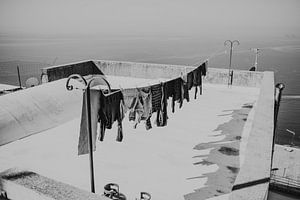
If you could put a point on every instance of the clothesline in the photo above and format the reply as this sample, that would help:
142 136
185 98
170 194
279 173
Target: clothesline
140 102
216 53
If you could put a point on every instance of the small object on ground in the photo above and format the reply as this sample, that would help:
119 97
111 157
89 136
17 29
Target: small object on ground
252 69
289 149
145 196
32 82
3 194
111 190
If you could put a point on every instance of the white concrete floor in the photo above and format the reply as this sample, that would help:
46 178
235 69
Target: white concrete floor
287 160
158 161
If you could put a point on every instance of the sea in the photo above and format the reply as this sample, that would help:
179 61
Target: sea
278 54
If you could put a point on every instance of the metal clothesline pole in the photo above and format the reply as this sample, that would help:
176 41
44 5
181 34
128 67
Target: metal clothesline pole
87 85
88 107
230 72
257 51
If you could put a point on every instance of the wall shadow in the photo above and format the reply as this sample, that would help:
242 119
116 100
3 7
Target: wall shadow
225 154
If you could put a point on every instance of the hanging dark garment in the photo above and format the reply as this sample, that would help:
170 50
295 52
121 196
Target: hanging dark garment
156 97
111 110
186 91
170 88
176 89
197 79
83 144
177 95
162 115
190 77
148 124
204 68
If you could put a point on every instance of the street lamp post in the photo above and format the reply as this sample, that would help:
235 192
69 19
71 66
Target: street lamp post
230 73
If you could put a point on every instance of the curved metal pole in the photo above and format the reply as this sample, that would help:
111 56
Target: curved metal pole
93 82
98 80
75 76
230 74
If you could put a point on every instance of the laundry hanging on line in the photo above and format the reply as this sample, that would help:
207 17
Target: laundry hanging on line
141 104
83 144
141 107
111 110
105 110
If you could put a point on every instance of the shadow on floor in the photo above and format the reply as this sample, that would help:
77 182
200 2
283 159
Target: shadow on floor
225 154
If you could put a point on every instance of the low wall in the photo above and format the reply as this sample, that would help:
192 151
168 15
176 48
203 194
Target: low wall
150 71
252 181
63 71
141 70
240 77
27 185
37 109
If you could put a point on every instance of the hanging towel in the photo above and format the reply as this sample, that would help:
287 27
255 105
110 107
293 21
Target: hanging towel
83 144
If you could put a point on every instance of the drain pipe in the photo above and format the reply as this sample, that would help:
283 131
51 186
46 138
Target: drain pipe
278 92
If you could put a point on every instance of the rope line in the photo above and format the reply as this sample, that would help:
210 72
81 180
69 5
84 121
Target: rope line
220 51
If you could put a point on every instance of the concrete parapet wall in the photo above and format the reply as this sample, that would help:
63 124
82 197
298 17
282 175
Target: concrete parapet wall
141 70
63 71
240 77
147 70
252 181
26 185
150 71
37 109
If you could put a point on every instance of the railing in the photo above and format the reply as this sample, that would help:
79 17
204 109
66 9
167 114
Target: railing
284 184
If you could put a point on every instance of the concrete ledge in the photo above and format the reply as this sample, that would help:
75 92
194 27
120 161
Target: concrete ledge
37 109
63 71
149 71
257 163
26 185
141 70
240 77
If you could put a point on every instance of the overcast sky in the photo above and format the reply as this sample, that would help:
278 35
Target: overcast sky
151 17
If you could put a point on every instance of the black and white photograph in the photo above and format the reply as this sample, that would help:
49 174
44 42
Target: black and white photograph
149 100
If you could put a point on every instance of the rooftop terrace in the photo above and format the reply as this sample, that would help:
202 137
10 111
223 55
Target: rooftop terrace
217 142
